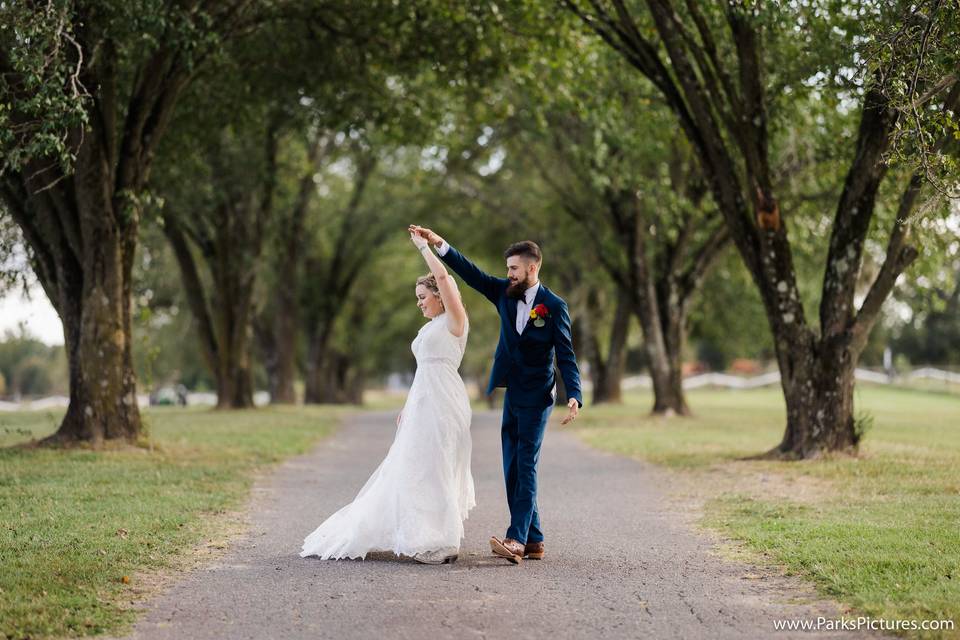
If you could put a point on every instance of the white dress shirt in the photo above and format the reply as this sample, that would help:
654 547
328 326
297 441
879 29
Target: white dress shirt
525 305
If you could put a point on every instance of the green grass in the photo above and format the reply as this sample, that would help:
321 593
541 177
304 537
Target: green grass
73 523
879 532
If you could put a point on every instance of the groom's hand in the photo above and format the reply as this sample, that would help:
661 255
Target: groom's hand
426 234
574 407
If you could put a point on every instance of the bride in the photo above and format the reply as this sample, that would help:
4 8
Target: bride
415 502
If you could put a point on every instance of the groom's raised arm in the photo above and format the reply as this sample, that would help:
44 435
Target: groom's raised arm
490 286
566 359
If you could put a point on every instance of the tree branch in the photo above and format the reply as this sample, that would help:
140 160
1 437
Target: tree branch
690 281
193 288
15 199
752 132
854 211
899 254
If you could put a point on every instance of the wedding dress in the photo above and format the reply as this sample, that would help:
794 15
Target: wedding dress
417 499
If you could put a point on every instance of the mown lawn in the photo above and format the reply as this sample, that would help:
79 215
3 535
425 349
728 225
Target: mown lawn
79 527
879 532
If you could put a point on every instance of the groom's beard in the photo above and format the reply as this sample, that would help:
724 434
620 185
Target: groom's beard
516 290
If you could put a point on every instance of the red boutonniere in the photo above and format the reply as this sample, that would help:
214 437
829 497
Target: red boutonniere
538 313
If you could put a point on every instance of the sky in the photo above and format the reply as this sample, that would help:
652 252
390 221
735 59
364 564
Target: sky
38 314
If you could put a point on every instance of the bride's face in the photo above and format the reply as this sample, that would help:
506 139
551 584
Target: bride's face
428 303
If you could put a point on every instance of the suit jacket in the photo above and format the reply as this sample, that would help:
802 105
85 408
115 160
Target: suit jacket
524 362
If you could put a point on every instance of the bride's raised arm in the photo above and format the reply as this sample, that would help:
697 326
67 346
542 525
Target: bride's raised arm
449 293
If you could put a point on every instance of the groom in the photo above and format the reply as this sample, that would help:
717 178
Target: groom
534 324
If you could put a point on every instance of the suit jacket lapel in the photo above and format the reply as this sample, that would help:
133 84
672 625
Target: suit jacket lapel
512 314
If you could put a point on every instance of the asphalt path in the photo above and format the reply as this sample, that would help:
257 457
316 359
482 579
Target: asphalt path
622 561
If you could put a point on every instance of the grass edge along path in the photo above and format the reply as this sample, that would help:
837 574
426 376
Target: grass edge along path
85 535
879 533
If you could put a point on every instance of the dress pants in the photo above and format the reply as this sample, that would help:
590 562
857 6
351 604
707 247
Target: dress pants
521 435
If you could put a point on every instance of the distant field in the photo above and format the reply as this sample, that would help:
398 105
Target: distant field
880 532
74 524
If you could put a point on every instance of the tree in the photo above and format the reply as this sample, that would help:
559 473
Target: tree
224 226
334 264
636 194
381 79
733 75
497 195
277 325
28 367
87 94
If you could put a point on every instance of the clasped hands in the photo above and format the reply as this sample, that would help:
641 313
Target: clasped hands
427 235
418 241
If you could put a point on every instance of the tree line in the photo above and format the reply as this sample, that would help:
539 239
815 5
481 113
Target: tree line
268 153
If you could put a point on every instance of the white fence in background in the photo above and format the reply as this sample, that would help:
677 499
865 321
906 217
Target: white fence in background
773 377
261 398
929 373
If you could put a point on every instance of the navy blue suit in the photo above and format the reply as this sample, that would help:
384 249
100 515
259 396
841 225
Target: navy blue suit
524 364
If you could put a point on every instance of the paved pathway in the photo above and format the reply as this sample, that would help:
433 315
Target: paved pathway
620 561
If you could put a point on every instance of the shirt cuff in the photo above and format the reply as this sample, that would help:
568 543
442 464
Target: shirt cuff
442 249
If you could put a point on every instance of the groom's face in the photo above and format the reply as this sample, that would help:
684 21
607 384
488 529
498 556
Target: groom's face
521 273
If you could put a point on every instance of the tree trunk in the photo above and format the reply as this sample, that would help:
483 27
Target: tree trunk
276 334
234 371
327 370
356 385
607 374
327 380
278 328
224 325
674 332
819 400
234 378
333 376
584 333
668 399
668 396
83 257
103 397
316 379
285 371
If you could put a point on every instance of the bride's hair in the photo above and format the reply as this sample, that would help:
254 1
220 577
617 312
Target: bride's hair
430 282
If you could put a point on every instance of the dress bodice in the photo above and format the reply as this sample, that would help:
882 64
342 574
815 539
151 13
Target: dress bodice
435 344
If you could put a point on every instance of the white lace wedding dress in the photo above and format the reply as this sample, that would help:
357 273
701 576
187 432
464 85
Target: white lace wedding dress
419 496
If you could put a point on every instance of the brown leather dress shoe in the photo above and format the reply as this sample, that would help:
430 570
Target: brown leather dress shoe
533 550
507 548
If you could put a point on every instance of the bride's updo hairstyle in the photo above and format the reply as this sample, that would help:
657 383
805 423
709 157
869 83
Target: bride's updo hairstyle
430 282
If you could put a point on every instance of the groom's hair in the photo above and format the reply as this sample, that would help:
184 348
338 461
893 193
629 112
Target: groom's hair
525 248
